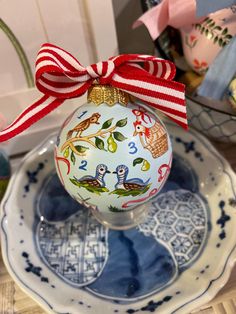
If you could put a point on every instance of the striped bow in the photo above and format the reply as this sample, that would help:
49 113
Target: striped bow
60 76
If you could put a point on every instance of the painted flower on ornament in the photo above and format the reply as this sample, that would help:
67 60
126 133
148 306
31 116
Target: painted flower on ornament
200 66
191 41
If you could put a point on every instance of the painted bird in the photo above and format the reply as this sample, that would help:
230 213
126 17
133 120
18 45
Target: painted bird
131 184
98 180
153 138
84 125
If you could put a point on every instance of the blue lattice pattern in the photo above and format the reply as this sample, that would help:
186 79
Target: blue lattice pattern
75 249
179 219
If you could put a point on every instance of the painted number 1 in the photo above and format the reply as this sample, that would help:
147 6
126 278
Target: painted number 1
83 165
132 148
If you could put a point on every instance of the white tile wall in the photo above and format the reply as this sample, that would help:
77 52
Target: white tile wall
85 28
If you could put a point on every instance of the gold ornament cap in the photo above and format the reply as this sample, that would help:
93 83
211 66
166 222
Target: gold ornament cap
99 94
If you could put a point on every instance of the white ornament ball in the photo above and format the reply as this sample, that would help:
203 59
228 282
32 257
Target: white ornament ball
113 158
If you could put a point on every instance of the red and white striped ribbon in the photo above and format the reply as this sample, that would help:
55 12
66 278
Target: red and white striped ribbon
60 76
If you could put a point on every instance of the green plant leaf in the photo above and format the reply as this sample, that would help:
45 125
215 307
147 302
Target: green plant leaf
197 26
81 149
220 42
216 39
107 124
99 143
119 136
93 189
228 36
224 43
123 192
217 28
137 161
66 152
121 123
72 157
115 209
206 32
225 31
212 24
202 30
207 20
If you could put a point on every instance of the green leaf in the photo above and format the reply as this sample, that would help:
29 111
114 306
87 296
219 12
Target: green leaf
92 189
228 36
119 136
75 182
66 153
217 28
225 31
99 143
212 24
208 20
107 124
115 209
224 43
137 161
72 157
202 30
121 123
216 39
206 32
197 26
123 192
81 149
220 42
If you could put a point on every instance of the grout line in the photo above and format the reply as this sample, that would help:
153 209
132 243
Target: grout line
88 29
42 20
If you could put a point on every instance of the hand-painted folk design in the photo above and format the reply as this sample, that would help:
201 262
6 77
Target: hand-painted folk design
144 162
191 41
200 66
220 35
153 138
163 173
93 139
84 125
104 135
94 184
127 187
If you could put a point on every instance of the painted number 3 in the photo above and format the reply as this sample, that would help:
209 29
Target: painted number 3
132 148
83 165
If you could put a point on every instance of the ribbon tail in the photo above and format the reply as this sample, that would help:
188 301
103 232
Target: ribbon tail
30 115
155 19
168 97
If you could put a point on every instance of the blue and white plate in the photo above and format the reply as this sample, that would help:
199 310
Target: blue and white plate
172 263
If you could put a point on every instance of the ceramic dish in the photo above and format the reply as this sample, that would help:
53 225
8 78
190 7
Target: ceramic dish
174 262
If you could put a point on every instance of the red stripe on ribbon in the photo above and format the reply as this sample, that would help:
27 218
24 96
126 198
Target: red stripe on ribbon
60 76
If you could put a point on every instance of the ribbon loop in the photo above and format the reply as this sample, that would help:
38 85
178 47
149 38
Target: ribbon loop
60 76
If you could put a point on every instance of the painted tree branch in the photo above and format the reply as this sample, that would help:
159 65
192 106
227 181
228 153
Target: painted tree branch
87 138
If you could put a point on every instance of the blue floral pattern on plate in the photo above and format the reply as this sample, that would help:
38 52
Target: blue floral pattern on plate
146 268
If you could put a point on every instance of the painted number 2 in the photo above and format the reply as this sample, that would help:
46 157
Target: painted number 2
83 165
132 148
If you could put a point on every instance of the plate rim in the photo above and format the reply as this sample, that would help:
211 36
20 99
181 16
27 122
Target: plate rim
214 286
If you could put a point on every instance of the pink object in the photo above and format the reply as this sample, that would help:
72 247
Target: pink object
204 40
176 13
